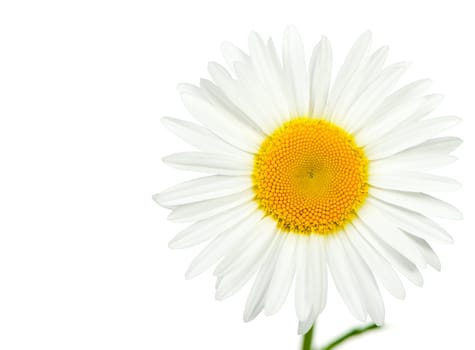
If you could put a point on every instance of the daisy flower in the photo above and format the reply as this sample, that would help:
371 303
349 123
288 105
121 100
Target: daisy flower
311 177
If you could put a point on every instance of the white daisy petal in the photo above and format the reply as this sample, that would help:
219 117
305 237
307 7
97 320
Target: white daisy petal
256 298
261 235
386 122
427 251
390 234
210 163
186 88
304 326
199 137
374 94
303 305
418 202
343 277
232 54
394 100
412 222
414 182
439 145
398 261
235 260
269 75
412 90
255 91
429 104
295 72
352 62
239 268
367 287
203 188
217 96
219 246
380 266
220 121
238 94
204 230
318 276
409 136
275 60
368 71
411 161
282 277
205 209
320 71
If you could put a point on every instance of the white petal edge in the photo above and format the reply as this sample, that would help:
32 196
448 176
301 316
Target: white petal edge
295 72
413 182
409 136
390 234
256 298
412 222
377 263
223 123
205 209
352 62
426 250
418 202
398 261
204 230
221 245
203 188
367 288
214 163
282 276
199 136
343 277
247 262
320 71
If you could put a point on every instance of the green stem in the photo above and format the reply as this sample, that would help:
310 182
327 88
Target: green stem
307 340
352 333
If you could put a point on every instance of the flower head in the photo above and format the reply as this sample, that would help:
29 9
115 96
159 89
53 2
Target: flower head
310 176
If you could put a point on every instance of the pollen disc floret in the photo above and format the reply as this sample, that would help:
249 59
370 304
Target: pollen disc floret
310 176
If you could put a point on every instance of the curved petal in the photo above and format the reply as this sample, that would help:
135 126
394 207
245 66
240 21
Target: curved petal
236 269
367 288
282 277
303 305
343 277
320 71
409 136
203 188
379 265
372 217
363 77
232 54
398 261
295 72
413 182
199 136
257 295
219 246
222 122
351 64
205 209
418 202
220 164
204 230
412 222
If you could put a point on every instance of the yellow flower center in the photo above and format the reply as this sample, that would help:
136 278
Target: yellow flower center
310 176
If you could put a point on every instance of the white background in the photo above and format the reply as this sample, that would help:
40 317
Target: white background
84 262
